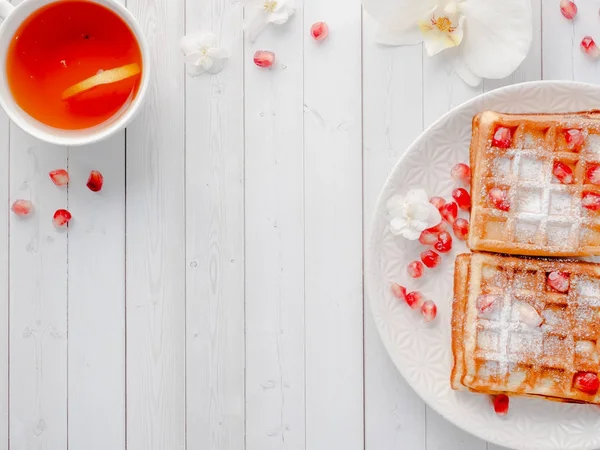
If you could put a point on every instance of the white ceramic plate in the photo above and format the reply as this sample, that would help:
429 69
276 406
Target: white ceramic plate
422 352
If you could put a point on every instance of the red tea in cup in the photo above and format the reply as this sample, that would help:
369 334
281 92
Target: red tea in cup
73 64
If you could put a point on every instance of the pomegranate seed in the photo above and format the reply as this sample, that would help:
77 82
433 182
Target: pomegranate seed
586 382
559 281
563 172
501 402
95 181
461 229
462 198
414 299
429 310
59 177
568 9
438 228
487 302
449 212
399 291
499 198
61 218
430 258
461 172
591 201
438 202
263 58
319 31
589 47
502 138
575 139
444 242
22 207
593 174
428 237
415 269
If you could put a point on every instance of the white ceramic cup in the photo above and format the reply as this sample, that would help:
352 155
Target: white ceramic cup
13 17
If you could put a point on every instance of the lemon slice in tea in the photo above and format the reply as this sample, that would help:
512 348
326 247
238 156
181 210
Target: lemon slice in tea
111 79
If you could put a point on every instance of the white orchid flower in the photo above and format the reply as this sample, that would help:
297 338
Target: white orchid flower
202 53
487 38
261 13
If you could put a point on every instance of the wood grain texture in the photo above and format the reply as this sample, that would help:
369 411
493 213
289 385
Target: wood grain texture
215 237
275 364
4 276
155 240
333 227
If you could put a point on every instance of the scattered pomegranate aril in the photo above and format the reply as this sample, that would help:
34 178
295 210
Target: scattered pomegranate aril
319 31
430 258
59 177
444 242
586 382
559 281
461 172
429 310
462 198
438 228
502 138
449 212
461 229
593 174
568 9
61 218
501 403
428 237
22 207
95 181
263 58
575 138
499 198
414 299
415 269
399 291
438 202
591 201
589 47
487 302
563 172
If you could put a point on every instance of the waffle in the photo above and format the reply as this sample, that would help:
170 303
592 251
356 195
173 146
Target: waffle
496 352
545 217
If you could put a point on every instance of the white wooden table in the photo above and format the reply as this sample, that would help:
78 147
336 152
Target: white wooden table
211 296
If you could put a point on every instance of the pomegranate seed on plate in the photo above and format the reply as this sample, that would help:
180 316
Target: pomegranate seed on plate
438 228
575 139
319 31
499 198
586 382
593 174
461 229
22 207
415 269
263 58
414 299
438 202
487 302
429 310
461 172
61 218
563 172
591 201
399 291
444 242
430 258
462 198
59 177
589 47
502 138
501 402
428 237
568 9
559 281
449 212
95 181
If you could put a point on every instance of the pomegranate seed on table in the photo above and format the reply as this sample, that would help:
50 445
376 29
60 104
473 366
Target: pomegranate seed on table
502 138
399 291
499 198
444 242
568 9
461 172
501 403
487 302
428 237
563 172
461 229
59 177
414 299
430 258
415 269
95 181
61 218
449 212
22 207
593 174
559 281
319 31
591 201
263 58
575 139
438 202
429 310
589 47
462 198
586 382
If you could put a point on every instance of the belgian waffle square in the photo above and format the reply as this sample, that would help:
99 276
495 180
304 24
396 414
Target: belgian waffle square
545 217
496 351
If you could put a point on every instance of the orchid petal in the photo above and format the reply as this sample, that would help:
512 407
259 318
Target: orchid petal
196 41
410 36
279 18
411 234
434 216
400 15
464 72
216 52
195 69
497 37
417 196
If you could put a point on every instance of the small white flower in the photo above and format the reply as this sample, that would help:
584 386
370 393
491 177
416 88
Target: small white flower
412 213
485 38
260 13
202 54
